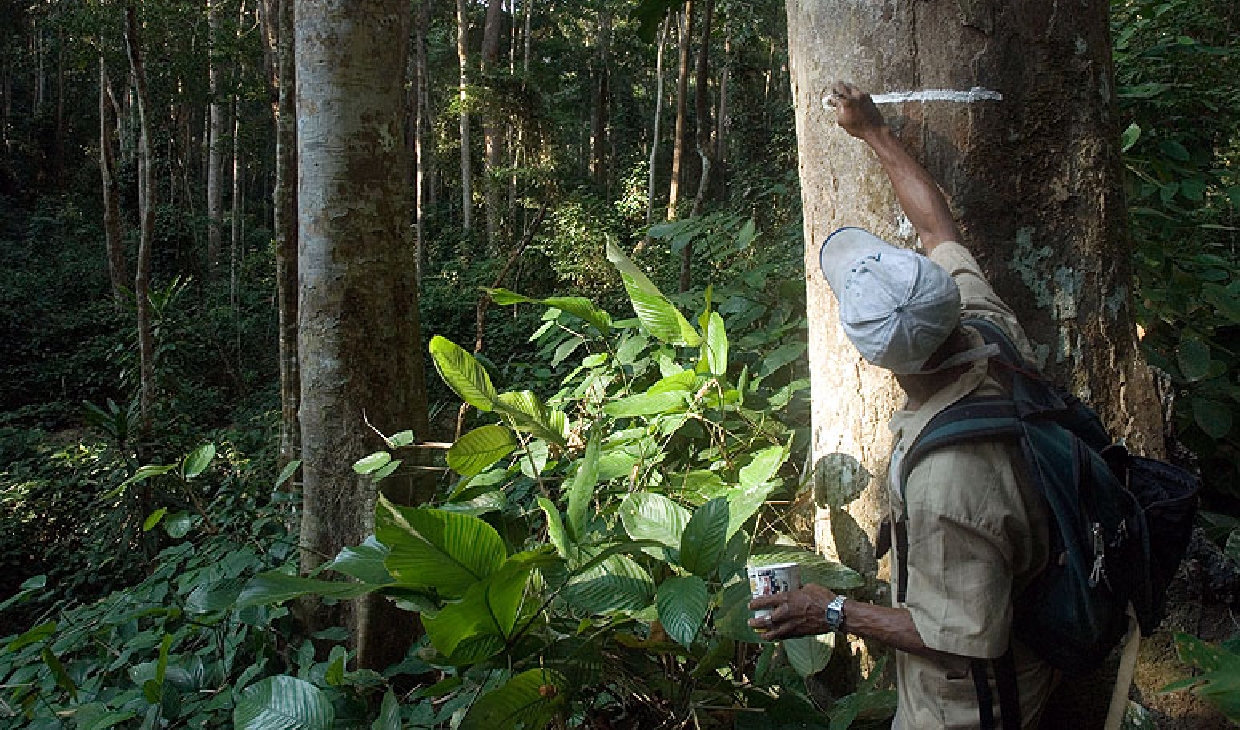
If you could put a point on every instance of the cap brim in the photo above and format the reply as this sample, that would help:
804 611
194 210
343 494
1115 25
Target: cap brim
844 248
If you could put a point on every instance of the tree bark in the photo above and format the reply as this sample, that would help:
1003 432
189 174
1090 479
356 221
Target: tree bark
705 139
658 116
1034 180
117 269
285 224
359 339
422 127
215 139
462 54
600 101
682 110
492 127
146 225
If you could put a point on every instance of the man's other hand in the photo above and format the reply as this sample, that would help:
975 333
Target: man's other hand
802 612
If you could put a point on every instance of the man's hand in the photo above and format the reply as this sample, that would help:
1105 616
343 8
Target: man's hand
856 112
802 612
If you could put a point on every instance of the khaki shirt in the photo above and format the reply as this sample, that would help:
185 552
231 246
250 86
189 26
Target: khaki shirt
976 535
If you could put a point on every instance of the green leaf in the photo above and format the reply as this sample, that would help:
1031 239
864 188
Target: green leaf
1130 136
1225 299
744 502
809 654
364 562
463 374
63 680
745 236
389 713
1219 684
555 527
287 472
704 538
648 404
153 519
437 549
582 308
34 635
529 701
1173 149
650 516
527 412
372 463
716 346
283 703
198 460
581 490
178 524
209 597
617 583
477 450
1212 417
400 439
488 608
656 313
682 604
763 466
276 587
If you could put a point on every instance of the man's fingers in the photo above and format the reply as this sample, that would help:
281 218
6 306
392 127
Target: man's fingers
771 601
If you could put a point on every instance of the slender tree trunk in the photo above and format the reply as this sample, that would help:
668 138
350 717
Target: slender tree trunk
236 251
359 338
600 102
682 110
284 206
146 225
1034 179
215 139
491 125
658 118
117 270
723 119
705 139
422 132
58 143
462 53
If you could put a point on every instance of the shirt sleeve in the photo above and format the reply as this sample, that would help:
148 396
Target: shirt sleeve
968 537
977 297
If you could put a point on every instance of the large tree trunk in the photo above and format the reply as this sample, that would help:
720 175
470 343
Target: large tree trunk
682 110
117 270
215 139
359 339
462 54
1034 179
146 226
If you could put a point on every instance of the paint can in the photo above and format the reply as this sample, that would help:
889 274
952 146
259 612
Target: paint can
767 580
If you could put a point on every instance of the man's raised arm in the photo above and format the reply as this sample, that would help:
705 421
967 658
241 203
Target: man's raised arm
917 192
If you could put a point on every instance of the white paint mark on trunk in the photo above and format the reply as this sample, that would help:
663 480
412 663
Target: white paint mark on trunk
970 96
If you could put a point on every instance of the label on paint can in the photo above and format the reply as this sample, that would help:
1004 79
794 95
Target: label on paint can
767 580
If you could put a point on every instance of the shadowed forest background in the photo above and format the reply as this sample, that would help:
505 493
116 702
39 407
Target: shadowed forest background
595 414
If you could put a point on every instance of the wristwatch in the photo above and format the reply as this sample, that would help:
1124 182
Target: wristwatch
835 613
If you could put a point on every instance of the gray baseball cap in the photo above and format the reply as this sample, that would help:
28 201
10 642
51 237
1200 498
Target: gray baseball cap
896 306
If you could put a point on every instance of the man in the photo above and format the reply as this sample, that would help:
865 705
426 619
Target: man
976 527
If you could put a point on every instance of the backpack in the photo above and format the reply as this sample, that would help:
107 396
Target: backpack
1119 523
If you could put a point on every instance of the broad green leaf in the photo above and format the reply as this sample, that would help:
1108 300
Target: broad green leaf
744 502
153 519
389 713
682 603
364 562
178 524
463 374
658 315
63 680
1212 417
584 309
1173 149
488 608
477 450
1226 299
763 466
617 583
732 619
529 700
704 538
809 654
566 349
648 404
198 460
684 380
1130 136
555 527
276 587
581 490
287 472
283 703
372 463
716 346
400 439
34 635
745 236
779 357
1219 684
650 516
527 412
209 597
437 549
1193 357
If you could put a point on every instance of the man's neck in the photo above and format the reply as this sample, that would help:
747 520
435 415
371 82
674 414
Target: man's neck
920 388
